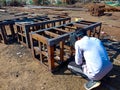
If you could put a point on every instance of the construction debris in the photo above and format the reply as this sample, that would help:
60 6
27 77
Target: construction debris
97 9
2 10
112 9
21 14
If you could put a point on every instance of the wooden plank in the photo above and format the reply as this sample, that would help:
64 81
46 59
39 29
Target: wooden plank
67 47
61 30
32 47
62 51
27 38
89 22
37 49
51 34
3 31
57 51
12 30
51 65
45 53
99 30
40 38
80 25
40 52
18 29
56 40
26 34
70 27
85 23
22 34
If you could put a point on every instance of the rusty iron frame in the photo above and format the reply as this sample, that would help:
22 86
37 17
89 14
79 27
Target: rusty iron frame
3 31
57 38
23 30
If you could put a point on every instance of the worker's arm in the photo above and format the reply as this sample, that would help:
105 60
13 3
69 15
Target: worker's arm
78 55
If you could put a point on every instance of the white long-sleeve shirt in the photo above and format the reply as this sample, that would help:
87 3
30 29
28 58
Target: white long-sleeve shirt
96 58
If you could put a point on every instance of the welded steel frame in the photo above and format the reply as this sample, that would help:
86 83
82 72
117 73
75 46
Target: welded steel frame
3 31
62 40
49 45
23 30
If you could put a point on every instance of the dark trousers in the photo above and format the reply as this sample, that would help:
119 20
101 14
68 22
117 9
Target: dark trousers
76 69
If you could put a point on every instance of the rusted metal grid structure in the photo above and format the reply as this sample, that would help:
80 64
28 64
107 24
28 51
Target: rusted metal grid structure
24 28
7 27
52 46
4 26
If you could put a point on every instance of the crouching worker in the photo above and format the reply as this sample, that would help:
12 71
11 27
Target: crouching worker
91 60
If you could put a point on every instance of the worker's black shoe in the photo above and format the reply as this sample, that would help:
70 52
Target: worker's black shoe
92 84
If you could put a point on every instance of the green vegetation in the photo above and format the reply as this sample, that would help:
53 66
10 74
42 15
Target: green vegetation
112 3
12 2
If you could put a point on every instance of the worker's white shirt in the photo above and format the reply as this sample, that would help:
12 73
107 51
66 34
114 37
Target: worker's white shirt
97 61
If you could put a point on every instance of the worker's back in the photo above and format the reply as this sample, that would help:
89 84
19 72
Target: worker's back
95 56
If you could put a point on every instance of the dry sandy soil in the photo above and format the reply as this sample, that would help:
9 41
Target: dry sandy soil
18 70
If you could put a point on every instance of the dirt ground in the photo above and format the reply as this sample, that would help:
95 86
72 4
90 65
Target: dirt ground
18 70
